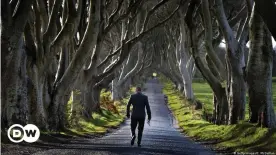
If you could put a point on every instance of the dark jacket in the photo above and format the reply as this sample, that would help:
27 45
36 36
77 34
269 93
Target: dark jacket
139 102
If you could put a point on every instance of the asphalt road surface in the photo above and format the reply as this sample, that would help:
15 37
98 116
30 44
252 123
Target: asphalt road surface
160 138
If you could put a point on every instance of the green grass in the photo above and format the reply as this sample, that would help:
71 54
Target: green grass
100 122
242 137
204 93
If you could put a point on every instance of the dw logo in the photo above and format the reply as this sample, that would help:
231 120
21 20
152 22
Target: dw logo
29 133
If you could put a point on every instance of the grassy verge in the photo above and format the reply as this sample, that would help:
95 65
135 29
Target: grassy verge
100 123
204 93
242 137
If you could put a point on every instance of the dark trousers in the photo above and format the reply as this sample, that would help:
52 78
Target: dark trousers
133 124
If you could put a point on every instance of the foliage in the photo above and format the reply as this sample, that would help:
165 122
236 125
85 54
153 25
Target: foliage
107 103
240 137
112 114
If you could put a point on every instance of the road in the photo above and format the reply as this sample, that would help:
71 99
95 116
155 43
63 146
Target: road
160 138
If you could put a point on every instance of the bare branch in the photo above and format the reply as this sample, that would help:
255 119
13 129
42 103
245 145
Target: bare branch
108 27
243 36
123 54
29 41
21 14
222 20
43 13
115 12
126 45
108 78
140 69
143 33
88 43
110 55
48 36
233 21
208 40
151 12
71 25
38 25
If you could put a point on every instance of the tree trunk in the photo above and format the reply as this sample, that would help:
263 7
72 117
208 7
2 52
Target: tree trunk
243 88
87 102
207 74
91 100
222 107
12 28
180 87
22 97
39 82
56 112
11 86
234 65
53 120
259 73
129 69
66 83
183 61
117 92
235 87
96 94
56 109
215 110
188 90
75 107
63 121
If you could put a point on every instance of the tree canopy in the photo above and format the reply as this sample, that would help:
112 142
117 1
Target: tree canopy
51 48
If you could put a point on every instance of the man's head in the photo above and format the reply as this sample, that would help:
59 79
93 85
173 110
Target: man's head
138 89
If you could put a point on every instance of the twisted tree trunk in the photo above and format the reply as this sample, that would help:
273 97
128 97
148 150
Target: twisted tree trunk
234 65
129 69
183 61
13 24
259 73
12 87
66 83
96 94
116 91
221 108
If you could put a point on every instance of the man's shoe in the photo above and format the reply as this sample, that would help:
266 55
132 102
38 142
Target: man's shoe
132 140
139 145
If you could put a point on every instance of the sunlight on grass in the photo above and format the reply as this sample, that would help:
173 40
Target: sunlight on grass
100 122
244 136
203 93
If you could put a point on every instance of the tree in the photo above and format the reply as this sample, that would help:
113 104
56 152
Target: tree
129 38
259 73
14 18
234 65
220 102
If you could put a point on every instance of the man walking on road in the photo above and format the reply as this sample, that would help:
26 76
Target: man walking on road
139 102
